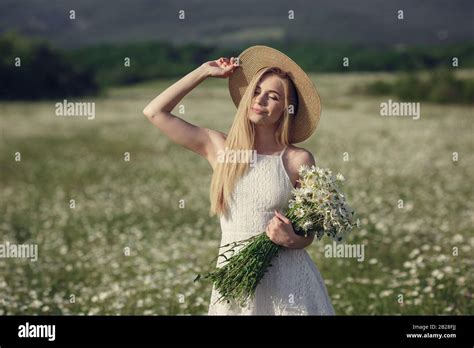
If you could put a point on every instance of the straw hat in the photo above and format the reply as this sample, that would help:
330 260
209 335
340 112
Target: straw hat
308 112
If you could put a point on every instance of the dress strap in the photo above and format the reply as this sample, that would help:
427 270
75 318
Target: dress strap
283 151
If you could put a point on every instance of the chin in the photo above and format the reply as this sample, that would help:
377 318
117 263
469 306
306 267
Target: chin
256 118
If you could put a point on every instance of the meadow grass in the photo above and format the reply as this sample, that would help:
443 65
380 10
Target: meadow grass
129 248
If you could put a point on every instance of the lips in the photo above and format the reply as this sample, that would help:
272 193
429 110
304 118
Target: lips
258 111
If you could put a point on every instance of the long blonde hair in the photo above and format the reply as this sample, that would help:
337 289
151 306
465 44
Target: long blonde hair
242 136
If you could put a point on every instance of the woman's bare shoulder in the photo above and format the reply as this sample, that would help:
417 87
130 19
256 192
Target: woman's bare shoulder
298 156
295 157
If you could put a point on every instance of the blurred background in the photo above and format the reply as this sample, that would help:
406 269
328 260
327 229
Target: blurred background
139 231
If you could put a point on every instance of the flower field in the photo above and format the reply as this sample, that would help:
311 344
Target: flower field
120 214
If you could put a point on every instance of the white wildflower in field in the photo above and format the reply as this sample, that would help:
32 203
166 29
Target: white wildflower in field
386 293
437 274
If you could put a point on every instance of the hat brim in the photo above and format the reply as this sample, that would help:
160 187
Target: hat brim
308 112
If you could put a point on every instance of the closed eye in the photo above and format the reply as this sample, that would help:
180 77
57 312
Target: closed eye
258 92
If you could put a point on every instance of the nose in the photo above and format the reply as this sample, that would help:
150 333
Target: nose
258 98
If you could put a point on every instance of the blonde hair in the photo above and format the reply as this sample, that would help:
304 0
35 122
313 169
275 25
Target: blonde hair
242 135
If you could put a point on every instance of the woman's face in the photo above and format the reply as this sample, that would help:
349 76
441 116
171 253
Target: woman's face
268 101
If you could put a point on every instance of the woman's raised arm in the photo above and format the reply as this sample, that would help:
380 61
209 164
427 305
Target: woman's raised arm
158 111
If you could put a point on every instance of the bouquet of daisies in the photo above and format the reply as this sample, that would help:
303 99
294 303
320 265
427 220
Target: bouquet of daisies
318 206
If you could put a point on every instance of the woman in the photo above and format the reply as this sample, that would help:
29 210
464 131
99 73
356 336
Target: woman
278 106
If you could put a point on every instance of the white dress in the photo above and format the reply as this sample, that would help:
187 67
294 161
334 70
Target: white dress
293 284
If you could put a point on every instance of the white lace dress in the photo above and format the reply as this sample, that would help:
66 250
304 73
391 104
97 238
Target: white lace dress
293 284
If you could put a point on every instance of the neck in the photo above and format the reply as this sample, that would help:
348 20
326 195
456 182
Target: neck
265 139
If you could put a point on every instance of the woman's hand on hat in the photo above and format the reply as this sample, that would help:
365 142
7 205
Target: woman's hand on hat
222 67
